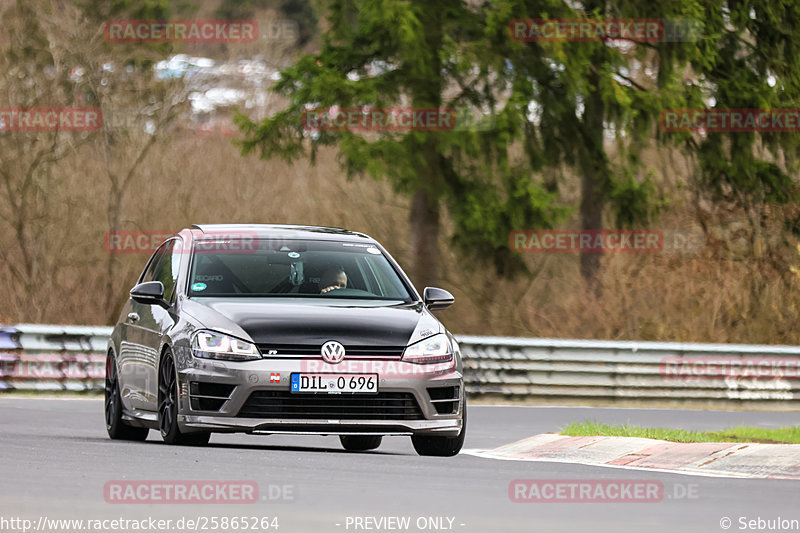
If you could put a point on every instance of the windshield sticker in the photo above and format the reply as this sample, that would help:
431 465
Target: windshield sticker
374 250
199 286
294 255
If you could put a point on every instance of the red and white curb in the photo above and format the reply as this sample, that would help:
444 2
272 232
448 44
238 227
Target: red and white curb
715 459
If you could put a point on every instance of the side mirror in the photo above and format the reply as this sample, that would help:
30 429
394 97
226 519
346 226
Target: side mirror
149 292
436 298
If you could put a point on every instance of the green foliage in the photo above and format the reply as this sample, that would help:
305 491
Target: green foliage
426 50
786 435
749 59
634 201
562 103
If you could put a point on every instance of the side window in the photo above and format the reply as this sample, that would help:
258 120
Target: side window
150 269
167 270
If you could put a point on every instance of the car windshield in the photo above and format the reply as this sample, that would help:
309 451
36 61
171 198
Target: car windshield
250 267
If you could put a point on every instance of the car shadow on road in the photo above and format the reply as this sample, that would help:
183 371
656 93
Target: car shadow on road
285 448
236 446
156 440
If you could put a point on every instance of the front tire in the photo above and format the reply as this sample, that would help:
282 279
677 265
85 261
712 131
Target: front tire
442 446
116 427
360 443
168 407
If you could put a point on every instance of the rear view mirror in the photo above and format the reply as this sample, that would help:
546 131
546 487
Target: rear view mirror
149 292
436 298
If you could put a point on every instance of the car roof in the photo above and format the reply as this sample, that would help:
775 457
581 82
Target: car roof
285 231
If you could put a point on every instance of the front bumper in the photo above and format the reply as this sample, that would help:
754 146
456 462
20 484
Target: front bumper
447 428
274 376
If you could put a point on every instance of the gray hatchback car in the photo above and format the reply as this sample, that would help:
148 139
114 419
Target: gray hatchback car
283 329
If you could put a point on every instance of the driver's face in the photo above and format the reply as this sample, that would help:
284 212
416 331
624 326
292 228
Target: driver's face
340 281
332 281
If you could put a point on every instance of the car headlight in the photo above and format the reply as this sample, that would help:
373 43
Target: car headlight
213 345
435 349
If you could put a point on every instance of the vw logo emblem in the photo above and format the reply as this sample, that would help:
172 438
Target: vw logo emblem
332 352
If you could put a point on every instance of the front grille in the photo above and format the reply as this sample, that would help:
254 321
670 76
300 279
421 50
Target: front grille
314 350
378 351
208 396
289 349
283 404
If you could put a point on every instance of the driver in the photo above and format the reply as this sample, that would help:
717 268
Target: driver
333 278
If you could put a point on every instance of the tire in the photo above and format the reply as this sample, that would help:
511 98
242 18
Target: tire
360 443
442 446
116 427
168 407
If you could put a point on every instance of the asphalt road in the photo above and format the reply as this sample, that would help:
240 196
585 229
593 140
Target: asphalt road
57 459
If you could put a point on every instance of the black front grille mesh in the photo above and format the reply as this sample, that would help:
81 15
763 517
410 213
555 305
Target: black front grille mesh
208 396
284 405
444 399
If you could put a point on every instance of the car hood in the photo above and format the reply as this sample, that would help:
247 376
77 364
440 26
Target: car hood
295 321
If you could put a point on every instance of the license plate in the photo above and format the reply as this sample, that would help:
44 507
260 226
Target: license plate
335 383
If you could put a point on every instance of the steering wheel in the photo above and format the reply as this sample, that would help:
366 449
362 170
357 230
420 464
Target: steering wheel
347 291
330 290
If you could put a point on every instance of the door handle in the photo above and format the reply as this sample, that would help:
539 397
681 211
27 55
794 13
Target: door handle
133 317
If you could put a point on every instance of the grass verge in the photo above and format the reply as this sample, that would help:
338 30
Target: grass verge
784 435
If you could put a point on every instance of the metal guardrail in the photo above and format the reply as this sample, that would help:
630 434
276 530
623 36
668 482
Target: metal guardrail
52 358
44 357
627 371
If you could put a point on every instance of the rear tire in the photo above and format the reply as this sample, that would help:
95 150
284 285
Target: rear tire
168 407
360 443
116 427
442 446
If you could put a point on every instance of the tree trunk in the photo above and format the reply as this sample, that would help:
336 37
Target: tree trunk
112 284
591 212
424 221
595 173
